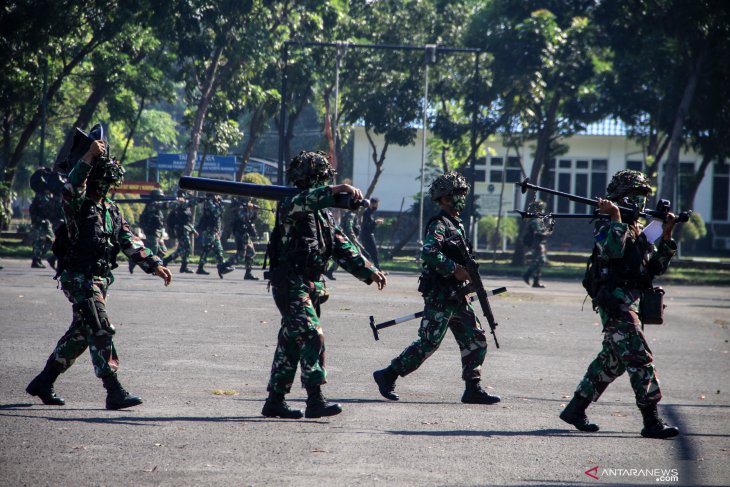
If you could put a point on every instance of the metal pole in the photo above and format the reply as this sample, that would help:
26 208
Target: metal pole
341 50
429 57
473 155
44 107
282 115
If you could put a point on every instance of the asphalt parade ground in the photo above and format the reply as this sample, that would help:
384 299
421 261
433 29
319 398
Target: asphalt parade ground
199 354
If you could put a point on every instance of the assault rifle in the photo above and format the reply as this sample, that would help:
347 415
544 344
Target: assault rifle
263 191
143 200
629 212
475 281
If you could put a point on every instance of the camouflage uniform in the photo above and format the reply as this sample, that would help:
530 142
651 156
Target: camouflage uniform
624 346
152 222
181 230
41 214
87 273
244 232
445 307
300 290
209 227
538 232
626 263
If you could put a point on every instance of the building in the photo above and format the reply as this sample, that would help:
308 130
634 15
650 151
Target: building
585 169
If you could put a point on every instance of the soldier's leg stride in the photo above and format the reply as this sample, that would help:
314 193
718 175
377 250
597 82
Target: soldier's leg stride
654 427
575 414
248 276
317 404
385 378
224 268
184 266
474 394
526 277
116 396
42 385
276 407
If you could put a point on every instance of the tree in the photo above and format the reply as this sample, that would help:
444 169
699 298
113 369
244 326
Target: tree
544 62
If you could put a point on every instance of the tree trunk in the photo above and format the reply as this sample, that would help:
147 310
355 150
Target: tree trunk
671 173
211 84
378 161
100 90
132 129
543 145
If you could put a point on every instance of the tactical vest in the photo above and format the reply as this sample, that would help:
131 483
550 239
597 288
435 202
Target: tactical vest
309 245
152 218
93 250
211 218
430 281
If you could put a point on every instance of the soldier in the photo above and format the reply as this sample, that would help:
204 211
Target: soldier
41 212
369 222
209 227
537 234
87 247
442 284
180 223
627 262
303 240
152 223
244 231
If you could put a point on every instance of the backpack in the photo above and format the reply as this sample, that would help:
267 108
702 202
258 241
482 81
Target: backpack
593 278
60 248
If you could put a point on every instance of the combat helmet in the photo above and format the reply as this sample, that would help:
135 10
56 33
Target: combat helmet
309 169
448 184
157 194
537 206
627 182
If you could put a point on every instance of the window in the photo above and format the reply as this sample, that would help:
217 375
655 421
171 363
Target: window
635 165
512 171
720 190
582 177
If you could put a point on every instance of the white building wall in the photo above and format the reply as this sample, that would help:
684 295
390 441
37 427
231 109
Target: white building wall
402 167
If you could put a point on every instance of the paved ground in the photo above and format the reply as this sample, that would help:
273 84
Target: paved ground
180 344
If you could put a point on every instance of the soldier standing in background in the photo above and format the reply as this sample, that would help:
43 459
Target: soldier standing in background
244 231
41 212
628 263
180 224
537 234
443 286
87 247
152 223
209 227
304 239
367 235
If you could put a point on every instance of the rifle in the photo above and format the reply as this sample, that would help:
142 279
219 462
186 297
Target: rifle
475 280
143 200
263 191
628 211
413 316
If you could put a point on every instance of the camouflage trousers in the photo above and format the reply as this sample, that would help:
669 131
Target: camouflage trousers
538 261
245 251
42 234
624 349
300 339
469 335
155 242
84 332
211 242
184 248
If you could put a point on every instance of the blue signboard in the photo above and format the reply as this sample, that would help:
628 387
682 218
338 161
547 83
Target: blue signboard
213 164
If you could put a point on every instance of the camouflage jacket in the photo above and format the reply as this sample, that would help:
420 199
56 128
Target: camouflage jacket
437 281
212 217
41 208
308 238
243 222
349 225
97 231
631 260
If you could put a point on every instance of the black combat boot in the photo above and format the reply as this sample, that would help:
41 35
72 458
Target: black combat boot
575 414
42 386
536 282
526 278
249 277
202 271
116 396
224 269
654 427
52 261
317 404
131 266
276 407
37 264
385 378
474 394
184 267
